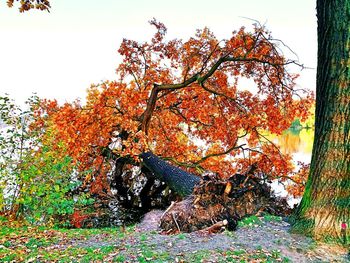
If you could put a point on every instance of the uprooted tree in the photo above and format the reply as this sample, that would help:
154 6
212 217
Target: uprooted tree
189 103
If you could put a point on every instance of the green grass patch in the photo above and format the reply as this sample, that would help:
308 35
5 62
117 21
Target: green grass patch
181 236
272 218
250 221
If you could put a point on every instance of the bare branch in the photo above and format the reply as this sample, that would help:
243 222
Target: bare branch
146 116
234 147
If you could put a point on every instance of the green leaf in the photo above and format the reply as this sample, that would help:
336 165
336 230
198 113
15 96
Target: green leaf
57 188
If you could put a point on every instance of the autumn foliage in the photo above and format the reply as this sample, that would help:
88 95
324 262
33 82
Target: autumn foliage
26 5
185 101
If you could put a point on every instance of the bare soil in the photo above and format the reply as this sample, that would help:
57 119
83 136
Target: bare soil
266 235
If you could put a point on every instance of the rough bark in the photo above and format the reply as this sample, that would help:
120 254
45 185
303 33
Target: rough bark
324 211
208 200
134 192
177 179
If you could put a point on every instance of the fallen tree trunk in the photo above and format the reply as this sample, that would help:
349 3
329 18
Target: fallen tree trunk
207 202
177 179
133 191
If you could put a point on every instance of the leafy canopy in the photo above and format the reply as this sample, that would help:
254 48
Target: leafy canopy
184 100
37 184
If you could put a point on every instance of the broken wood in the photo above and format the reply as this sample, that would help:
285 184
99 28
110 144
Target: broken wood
214 201
215 228
207 201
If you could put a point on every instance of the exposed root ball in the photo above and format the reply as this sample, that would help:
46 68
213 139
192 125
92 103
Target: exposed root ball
214 200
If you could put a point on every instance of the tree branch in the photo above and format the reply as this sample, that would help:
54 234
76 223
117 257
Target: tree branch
147 115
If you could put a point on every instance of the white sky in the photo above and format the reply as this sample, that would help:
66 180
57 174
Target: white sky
59 54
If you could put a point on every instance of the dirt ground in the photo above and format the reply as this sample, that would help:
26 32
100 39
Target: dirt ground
269 235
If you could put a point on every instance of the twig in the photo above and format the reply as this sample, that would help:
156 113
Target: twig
177 225
214 228
167 210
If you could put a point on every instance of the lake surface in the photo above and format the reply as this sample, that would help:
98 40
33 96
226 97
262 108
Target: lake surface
298 143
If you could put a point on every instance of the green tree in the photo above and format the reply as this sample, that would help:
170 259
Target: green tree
324 211
37 183
16 142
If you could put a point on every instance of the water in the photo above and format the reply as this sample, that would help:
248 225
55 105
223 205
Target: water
298 143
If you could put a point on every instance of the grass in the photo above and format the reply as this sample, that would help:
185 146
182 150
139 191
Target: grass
272 218
253 221
181 236
38 244
250 221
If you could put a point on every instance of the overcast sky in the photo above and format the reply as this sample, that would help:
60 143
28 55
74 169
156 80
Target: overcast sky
59 54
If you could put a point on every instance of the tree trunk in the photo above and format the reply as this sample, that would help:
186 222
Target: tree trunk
325 208
177 179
